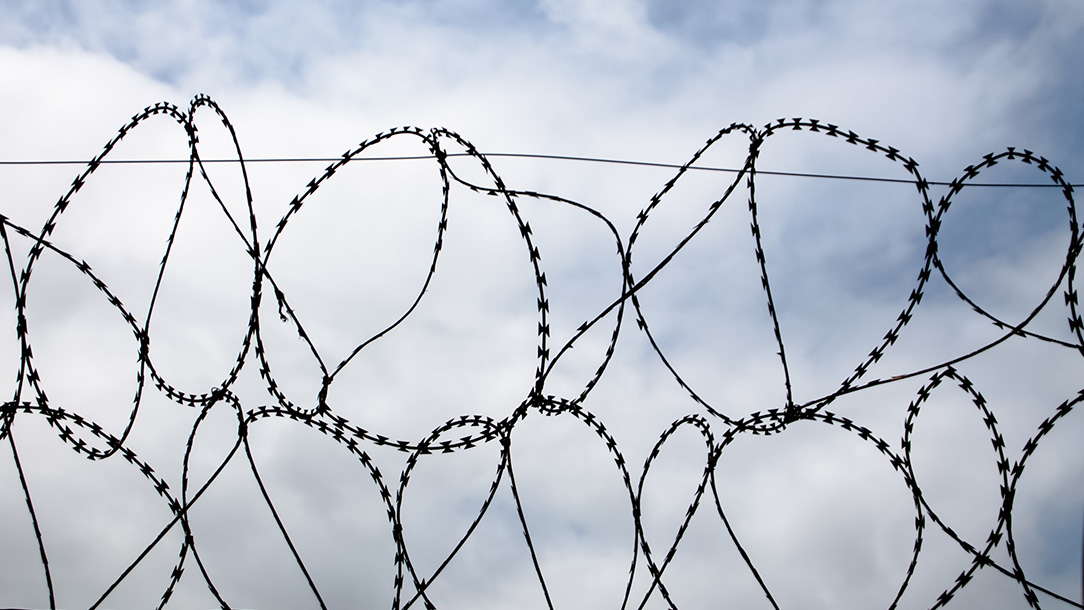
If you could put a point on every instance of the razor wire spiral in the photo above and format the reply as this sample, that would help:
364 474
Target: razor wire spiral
718 429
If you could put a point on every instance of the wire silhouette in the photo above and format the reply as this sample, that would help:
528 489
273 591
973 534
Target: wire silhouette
607 160
717 428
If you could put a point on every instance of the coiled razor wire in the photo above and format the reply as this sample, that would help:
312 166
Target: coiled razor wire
718 429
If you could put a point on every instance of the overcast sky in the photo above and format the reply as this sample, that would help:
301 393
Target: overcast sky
822 513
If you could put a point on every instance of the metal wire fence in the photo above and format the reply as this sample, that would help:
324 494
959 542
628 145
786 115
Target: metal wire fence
719 428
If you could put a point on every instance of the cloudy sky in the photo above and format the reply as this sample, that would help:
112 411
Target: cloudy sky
823 515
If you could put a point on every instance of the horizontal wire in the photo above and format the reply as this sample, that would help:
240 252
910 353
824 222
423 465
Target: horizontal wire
548 157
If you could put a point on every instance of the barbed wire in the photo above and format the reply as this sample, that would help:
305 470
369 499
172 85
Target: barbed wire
717 429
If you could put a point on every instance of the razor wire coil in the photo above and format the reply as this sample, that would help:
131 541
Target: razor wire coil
715 426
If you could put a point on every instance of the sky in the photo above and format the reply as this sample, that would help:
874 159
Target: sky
958 423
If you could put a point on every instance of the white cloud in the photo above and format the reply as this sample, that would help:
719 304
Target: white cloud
822 513
609 28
